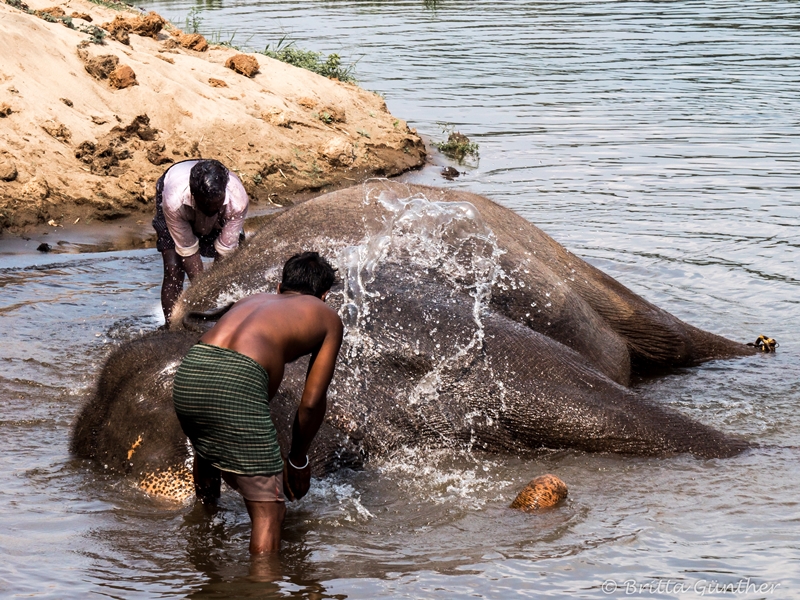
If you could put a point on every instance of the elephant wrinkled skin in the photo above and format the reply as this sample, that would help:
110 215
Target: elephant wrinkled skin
465 326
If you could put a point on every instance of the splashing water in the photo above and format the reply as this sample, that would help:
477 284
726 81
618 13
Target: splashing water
451 476
446 239
235 292
424 239
337 501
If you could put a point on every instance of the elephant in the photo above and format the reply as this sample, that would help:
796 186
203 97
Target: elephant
465 326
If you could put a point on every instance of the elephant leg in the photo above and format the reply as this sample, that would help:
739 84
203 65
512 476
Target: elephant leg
557 399
207 481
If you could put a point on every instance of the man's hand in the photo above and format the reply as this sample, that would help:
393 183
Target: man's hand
296 482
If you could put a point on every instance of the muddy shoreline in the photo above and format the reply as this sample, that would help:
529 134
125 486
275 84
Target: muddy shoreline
97 101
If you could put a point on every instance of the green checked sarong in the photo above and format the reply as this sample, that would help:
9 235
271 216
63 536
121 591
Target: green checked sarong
222 401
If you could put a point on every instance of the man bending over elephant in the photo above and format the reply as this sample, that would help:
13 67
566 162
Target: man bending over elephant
200 211
223 387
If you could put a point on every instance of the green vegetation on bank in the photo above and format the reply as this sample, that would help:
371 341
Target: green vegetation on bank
112 4
285 51
193 24
328 66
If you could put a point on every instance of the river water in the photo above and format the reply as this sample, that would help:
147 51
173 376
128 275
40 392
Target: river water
659 140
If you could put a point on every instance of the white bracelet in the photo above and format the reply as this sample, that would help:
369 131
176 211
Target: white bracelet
295 466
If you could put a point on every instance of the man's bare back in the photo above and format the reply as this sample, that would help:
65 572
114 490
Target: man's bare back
276 329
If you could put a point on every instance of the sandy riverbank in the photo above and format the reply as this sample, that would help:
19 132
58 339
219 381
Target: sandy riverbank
87 128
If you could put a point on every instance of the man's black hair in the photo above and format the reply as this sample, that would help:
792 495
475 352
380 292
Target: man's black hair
308 273
208 180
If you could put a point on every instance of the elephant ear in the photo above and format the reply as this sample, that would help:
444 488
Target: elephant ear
199 321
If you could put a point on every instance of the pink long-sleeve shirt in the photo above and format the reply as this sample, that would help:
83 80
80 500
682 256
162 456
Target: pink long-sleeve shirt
185 222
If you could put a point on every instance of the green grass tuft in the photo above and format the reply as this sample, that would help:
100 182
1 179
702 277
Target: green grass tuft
317 62
457 145
193 21
96 35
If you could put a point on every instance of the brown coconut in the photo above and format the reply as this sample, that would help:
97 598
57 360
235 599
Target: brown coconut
542 492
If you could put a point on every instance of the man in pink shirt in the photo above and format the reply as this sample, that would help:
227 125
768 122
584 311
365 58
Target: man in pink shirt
200 211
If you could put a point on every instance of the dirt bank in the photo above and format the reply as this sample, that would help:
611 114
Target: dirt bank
87 128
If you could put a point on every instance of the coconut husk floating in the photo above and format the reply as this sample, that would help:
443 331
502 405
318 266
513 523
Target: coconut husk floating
544 491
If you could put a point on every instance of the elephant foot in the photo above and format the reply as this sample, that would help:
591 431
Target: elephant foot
765 344
542 492
173 484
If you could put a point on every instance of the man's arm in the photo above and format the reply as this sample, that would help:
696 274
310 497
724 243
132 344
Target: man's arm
313 405
228 239
235 211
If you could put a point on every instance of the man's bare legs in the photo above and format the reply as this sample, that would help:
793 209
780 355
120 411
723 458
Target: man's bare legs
267 520
175 270
266 517
172 286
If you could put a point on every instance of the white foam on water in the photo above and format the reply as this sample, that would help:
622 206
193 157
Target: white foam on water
337 501
445 476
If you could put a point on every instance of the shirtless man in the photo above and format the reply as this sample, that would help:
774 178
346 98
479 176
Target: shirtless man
222 389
